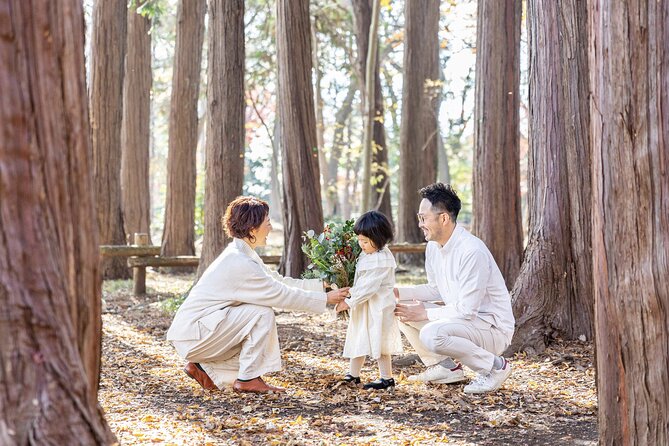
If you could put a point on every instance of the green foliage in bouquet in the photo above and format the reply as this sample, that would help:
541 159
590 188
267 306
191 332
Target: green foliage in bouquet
332 253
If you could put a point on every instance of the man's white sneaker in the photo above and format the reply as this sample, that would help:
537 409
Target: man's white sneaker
490 381
439 374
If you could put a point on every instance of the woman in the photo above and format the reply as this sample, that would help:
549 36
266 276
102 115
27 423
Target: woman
226 328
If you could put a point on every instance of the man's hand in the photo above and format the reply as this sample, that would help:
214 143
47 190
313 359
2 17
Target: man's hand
336 296
341 306
413 312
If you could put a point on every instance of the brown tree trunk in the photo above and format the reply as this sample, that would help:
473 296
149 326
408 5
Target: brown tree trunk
225 126
629 59
301 185
496 182
318 105
418 132
553 293
106 98
380 187
275 205
179 229
136 126
50 322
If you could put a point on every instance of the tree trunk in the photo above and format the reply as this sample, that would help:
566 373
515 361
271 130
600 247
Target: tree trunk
179 229
301 186
135 129
553 293
496 134
275 205
106 97
50 322
629 59
318 105
225 126
418 132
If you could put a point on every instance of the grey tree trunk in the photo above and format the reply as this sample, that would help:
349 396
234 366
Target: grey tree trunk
418 132
496 183
629 59
135 130
301 185
50 323
225 126
179 229
553 293
106 98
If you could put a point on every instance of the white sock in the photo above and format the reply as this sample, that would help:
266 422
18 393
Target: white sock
355 366
385 367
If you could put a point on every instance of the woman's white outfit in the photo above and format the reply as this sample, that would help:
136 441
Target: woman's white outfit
372 328
227 325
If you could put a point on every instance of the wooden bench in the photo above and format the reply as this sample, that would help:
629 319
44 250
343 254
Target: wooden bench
141 255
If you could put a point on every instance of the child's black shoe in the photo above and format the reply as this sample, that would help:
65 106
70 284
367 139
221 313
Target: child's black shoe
380 384
350 379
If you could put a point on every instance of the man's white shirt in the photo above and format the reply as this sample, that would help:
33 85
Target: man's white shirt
463 274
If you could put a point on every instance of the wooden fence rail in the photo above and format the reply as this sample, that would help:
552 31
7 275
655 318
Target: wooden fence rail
140 256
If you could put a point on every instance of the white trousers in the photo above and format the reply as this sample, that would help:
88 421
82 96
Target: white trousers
474 343
244 345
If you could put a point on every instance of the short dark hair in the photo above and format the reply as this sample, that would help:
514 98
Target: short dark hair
376 227
443 198
243 215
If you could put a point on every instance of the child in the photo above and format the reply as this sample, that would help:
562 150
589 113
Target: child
372 328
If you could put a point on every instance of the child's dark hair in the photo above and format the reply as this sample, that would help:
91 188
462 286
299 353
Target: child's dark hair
376 227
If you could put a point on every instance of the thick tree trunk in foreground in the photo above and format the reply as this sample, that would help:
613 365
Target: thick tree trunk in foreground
301 185
496 183
553 293
418 133
629 59
179 229
380 187
136 127
225 125
50 323
106 99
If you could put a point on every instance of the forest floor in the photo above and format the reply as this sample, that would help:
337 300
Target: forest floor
550 399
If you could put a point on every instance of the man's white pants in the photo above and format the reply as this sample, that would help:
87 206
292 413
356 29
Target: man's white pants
474 343
244 344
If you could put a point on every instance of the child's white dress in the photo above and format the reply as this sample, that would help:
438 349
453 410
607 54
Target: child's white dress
372 328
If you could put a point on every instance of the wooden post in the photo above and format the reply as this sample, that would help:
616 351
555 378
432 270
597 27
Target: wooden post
139 272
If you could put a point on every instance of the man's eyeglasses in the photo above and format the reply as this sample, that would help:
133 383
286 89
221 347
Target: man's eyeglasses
421 217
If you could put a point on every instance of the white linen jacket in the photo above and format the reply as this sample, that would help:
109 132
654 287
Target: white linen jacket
239 276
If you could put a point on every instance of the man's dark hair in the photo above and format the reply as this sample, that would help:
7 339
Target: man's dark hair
376 227
443 199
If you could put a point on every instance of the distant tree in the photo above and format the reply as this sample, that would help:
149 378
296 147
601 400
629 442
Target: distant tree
106 98
225 121
553 293
419 131
629 81
496 183
179 232
49 272
301 185
379 189
135 131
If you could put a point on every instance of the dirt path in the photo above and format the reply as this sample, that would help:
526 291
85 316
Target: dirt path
550 399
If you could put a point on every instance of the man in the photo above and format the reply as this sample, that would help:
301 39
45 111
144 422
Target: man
475 324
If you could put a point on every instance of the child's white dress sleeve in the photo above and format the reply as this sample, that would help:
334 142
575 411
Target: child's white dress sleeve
372 329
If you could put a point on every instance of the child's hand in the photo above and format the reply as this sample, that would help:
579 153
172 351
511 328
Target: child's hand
341 306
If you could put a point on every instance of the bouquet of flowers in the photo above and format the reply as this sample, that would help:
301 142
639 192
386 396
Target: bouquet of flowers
332 254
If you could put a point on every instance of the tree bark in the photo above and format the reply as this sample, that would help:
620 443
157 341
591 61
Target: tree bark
553 293
225 126
179 230
418 130
380 181
135 130
50 322
318 105
106 98
629 59
301 185
498 221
